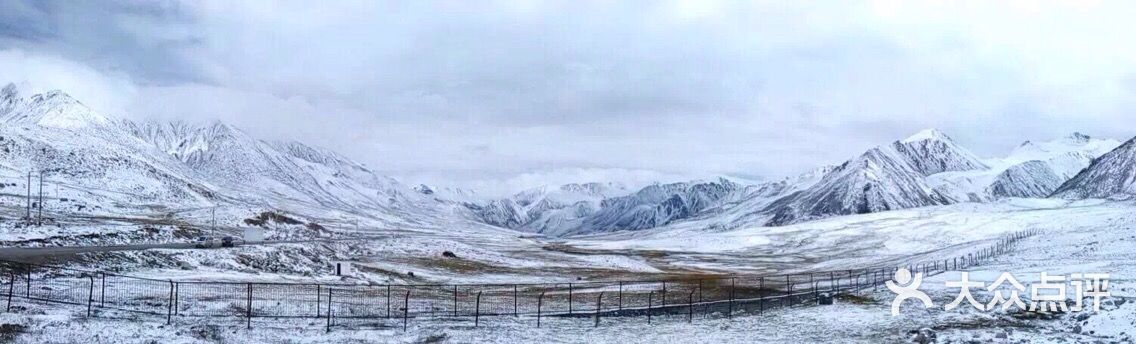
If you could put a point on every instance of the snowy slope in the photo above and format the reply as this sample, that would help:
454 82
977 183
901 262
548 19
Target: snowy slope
1033 178
53 109
284 174
593 208
1111 175
931 151
1028 171
660 204
878 180
102 162
91 163
550 211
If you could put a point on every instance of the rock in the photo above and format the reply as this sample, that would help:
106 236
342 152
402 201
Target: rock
410 273
449 254
1001 335
824 299
924 336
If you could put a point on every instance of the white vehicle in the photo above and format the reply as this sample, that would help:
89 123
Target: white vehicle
206 242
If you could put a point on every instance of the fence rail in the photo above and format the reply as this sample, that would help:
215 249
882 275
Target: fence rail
348 306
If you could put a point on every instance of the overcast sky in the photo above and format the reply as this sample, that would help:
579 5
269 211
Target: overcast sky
509 94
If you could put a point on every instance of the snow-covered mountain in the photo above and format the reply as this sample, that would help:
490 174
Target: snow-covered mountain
595 208
107 162
883 178
53 109
928 168
1111 175
551 211
283 170
1032 169
1030 179
931 151
179 165
96 162
660 204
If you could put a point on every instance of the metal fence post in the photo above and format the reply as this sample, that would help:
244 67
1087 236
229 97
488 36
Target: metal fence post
11 289
328 309
816 293
876 279
599 305
760 296
620 295
102 290
477 310
248 309
405 309
177 297
730 312
90 296
455 300
788 292
650 299
569 298
388 301
663 296
539 304
515 313
319 290
690 307
170 306
699 291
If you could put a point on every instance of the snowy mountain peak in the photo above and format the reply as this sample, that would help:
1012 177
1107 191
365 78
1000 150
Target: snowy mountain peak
1073 143
931 151
9 91
53 109
1078 137
1111 175
927 134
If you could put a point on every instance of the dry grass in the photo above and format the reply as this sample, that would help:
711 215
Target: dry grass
855 299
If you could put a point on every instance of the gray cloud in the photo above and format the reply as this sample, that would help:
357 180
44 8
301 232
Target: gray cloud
463 92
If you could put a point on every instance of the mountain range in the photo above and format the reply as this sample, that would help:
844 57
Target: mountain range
117 165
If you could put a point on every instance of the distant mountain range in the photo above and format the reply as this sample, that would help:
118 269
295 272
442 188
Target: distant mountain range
140 166
926 169
132 167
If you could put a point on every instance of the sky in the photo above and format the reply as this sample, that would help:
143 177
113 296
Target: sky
503 95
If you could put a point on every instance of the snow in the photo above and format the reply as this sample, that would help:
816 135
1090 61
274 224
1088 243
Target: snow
1076 237
925 134
1111 175
147 182
1031 169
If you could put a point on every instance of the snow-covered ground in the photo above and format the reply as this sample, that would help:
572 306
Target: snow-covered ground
1081 237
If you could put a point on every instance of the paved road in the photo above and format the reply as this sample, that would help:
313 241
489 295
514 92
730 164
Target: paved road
16 253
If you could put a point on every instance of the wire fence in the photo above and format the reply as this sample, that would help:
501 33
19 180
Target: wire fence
351 306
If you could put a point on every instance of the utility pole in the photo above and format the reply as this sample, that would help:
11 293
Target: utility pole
39 216
29 215
213 227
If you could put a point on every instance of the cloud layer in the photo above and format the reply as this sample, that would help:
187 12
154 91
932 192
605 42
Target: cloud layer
502 92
